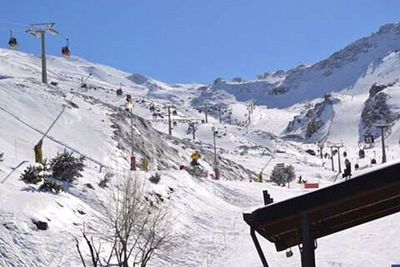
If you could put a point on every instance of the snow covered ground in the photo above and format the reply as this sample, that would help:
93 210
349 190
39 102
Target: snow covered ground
205 214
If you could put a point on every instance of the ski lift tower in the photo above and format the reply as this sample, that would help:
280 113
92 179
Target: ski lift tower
383 127
168 107
337 147
40 30
206 105
321 145
216 170
128 108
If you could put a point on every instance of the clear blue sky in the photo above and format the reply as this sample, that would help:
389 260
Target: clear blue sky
200 40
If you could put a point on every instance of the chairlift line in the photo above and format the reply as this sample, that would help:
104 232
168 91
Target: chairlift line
65 106
14 29
22 25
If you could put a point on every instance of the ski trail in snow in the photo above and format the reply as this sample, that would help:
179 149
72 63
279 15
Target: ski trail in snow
345 127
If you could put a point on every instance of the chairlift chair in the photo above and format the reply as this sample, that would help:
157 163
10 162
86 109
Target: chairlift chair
65 50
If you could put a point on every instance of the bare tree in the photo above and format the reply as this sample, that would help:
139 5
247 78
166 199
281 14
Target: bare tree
94 252
133 228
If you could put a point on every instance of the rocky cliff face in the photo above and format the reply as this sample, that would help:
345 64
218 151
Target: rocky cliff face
313 124
377 111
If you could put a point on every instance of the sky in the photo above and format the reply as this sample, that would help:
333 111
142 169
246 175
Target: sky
184 41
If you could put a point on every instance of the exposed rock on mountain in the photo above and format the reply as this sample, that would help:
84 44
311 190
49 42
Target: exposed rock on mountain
313 123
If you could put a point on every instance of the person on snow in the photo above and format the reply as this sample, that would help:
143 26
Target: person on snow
129 106
300 180
195 158
347 170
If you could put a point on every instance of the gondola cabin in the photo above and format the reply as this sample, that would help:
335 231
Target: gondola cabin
13 43
65 50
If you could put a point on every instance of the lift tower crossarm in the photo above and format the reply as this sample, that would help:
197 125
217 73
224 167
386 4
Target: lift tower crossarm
40 30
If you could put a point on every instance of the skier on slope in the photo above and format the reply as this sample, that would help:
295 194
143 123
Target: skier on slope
196 169
195 158
347 170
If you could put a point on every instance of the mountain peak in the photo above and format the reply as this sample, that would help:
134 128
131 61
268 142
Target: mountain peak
390 27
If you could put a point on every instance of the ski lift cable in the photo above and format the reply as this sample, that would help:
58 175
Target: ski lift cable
14 23
13 29
62 144
16 27
265 166
62 36
64 108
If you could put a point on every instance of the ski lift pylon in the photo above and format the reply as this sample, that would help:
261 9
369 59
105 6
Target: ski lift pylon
65 50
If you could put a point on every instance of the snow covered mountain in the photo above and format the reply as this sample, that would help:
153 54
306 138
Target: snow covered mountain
348 75
337 100
342 70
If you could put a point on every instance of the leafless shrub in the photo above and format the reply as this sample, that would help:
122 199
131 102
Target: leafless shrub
134 229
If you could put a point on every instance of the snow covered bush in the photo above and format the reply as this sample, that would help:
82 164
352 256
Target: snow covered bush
66 167
34 174
283 174
1 157
50 186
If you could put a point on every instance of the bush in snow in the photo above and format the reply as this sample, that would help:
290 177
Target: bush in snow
50 186
34 174
282 175
1 157
66 167
107 178
155 179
